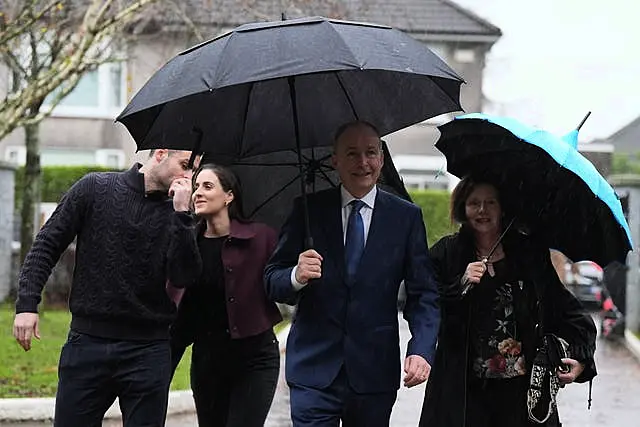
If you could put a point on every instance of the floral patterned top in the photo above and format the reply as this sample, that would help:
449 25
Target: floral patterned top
496 351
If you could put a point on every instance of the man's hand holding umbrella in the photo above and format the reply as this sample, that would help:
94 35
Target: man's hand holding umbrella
309 267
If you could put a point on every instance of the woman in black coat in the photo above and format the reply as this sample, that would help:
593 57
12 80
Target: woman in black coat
494 313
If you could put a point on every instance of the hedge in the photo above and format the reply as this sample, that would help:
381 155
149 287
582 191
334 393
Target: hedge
435 212
56 180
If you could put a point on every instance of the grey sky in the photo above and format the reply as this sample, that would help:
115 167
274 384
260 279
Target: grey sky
558 59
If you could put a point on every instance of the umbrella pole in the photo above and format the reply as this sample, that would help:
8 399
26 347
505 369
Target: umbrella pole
196 146
467 285
308 240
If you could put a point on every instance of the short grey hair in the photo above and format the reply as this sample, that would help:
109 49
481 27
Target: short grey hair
349 125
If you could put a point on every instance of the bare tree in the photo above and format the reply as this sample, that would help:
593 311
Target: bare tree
47 46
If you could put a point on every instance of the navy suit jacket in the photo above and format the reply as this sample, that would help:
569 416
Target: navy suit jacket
356 326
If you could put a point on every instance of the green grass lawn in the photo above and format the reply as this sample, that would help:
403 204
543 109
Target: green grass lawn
35 373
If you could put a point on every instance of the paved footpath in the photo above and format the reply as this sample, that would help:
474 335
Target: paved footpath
616 395
406 411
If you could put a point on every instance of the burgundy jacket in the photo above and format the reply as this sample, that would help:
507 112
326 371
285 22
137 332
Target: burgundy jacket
244 256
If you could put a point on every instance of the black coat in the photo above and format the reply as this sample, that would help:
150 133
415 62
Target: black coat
556 311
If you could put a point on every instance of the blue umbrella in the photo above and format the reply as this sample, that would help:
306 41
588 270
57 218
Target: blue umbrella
545 182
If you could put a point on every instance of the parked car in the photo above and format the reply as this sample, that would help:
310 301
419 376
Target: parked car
584 280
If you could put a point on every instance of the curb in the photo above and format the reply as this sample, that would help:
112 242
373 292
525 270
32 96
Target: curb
633 343
42 409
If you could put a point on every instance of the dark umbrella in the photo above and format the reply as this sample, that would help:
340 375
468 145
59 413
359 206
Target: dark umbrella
544 182
287 86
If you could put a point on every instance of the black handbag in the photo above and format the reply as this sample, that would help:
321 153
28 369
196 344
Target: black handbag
544 384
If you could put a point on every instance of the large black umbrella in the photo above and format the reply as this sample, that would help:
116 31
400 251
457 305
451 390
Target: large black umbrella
264 87
287 86
545 183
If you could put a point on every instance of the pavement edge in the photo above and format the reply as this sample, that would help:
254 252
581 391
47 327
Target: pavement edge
42 409
633 343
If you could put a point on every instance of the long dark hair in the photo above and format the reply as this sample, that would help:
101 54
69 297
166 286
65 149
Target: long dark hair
229 182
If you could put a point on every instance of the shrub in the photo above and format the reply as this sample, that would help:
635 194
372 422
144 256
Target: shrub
435 212
56 180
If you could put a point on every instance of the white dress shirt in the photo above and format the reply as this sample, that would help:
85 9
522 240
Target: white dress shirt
366 212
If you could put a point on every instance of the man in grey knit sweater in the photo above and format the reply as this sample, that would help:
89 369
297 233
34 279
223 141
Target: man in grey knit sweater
134 233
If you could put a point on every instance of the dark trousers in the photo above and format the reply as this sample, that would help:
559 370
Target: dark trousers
326 407
94 371
234 381
500 403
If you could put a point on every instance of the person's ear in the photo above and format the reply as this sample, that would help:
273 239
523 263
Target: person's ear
160 154
230 197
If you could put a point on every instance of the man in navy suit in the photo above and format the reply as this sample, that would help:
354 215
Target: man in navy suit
343 353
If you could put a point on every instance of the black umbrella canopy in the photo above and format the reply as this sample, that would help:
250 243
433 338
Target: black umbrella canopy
237 89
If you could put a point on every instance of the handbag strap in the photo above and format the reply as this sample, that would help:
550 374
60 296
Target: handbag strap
535 392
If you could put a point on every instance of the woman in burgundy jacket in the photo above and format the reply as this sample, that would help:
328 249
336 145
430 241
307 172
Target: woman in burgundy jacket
235 358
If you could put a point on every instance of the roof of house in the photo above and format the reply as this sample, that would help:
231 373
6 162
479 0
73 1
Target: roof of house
627 139
429 17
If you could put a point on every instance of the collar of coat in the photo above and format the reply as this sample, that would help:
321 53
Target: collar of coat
242 230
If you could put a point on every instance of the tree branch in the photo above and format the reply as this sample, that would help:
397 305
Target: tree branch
13 63
190 24
8 32
85 50
123 14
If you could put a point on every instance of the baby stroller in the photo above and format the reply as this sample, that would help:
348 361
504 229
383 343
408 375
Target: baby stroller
588 282
612 323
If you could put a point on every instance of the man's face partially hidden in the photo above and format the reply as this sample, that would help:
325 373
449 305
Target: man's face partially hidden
172 165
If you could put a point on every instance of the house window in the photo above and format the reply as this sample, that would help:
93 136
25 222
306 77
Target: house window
16 155
100 93
109 158
464 56
67 157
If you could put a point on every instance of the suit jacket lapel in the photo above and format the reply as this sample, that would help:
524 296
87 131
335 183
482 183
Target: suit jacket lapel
375 244
333 230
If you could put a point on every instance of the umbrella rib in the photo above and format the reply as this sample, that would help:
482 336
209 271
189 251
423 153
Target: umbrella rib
244 119
264 164
274 195
346 94
326 177
355 58
435 79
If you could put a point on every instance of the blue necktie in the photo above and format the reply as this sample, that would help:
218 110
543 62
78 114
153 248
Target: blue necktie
354 242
